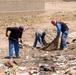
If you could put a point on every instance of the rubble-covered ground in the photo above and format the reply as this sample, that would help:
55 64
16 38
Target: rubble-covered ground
37 61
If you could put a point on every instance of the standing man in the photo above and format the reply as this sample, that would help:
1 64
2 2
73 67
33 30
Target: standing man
13 38
61 27
40 36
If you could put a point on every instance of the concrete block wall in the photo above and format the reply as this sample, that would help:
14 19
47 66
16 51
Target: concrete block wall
21 5
17 8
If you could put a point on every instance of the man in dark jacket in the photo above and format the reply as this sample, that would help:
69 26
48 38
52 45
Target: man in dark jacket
13 38
61 27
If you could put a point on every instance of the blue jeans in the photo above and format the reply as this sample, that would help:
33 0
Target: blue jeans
40 39
63 39
13 45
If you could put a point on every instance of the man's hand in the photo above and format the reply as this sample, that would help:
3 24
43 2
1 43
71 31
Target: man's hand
6 35
21 41
42 45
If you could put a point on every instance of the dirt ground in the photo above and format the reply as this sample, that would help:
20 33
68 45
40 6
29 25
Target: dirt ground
65 12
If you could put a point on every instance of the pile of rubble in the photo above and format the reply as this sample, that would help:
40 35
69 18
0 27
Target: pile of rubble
45 64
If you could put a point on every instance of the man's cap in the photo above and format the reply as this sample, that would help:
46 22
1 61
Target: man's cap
21 28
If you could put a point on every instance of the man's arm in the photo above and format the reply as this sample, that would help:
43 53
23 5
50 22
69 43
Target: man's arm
6 32
58 29
42 45
8 29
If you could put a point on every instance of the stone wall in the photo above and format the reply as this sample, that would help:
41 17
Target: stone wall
21 5
15 8
7 6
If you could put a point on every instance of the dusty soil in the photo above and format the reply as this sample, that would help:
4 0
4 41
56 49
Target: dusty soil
65 12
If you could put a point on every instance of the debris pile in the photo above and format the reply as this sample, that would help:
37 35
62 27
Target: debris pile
45 64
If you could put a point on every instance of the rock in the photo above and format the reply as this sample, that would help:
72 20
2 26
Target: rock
73 72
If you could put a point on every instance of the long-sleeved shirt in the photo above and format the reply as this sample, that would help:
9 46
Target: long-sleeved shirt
14 33
58 25
41 34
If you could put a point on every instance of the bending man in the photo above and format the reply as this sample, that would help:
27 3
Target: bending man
40 36
61 27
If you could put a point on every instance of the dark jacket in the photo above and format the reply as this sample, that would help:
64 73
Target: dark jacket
15 33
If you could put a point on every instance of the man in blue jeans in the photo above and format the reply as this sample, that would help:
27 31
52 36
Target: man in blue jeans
40 37
61 27
13 37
